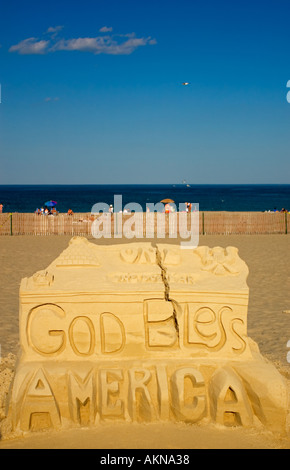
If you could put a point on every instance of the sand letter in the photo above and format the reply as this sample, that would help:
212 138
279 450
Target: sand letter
44 329
181 395
82 398
108 389
139 400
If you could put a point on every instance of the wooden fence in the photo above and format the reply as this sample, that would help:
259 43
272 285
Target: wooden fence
210 223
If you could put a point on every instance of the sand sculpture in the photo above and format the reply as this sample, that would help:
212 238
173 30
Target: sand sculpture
138 333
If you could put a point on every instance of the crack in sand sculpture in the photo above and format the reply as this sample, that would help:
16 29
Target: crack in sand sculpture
141 333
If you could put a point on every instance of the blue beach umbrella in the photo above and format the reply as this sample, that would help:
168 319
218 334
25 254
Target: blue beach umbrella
50 203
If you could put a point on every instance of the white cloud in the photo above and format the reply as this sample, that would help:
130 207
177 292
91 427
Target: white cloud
80 44
115 44
54 29
30 46
106 29
102 45
130 45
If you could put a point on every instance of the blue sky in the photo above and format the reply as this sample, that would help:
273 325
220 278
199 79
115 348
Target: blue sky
91 91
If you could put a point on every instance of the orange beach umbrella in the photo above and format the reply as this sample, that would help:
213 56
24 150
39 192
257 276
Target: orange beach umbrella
167 201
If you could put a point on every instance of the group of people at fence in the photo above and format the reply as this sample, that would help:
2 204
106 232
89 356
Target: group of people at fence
168 208
283 210
52 211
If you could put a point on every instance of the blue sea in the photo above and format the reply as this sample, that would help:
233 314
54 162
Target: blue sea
81 198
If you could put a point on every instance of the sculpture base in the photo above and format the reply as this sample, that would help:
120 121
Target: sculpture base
85 393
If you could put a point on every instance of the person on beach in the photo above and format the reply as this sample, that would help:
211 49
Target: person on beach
1 208
188 206
69 212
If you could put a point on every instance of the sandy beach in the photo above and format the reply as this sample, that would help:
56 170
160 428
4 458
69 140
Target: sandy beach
268 325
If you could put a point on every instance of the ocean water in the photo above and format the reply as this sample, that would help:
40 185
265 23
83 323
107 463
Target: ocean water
81 198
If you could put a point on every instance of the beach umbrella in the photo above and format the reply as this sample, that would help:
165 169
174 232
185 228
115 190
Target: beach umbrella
50 203
167 201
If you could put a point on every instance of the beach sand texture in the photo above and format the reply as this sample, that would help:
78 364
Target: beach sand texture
268 325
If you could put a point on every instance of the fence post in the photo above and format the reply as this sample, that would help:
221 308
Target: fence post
203 223
286 228
11 231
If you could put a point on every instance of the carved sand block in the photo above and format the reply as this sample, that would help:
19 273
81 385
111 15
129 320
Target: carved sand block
209 290
133 332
